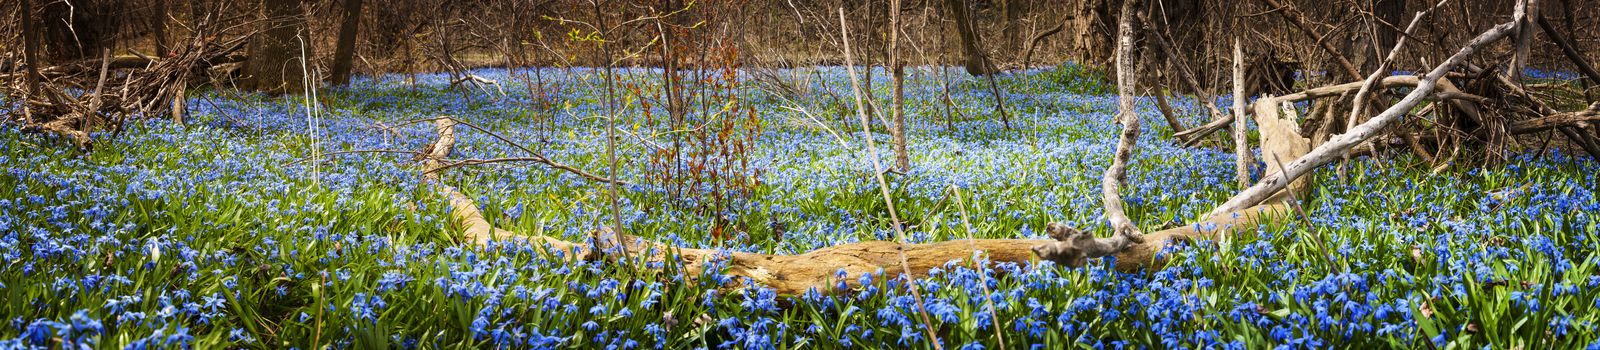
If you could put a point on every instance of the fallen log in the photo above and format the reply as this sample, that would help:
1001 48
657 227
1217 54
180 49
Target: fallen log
825 269
1446 89
1569 119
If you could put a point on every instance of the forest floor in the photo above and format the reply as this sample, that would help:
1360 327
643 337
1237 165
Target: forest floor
247 227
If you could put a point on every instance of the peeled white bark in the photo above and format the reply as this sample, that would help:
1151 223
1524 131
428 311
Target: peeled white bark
1125 231
1241 144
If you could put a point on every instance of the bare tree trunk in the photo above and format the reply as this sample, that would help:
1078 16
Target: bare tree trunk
1293 15
160 30
1241 144
274 63
1391 12
1520 37
1011 11
866 61
1085 26
79 30
602 58
30 57
1125 232
968 35
902 160
344 51
944 79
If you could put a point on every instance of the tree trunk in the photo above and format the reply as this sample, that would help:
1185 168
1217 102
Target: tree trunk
1125 232
1241 145
1391 12
275 63
78 30
345 51
1087 25
1012 12
902 160
818 270
160 29
967 33
1367 50
866 61
30 56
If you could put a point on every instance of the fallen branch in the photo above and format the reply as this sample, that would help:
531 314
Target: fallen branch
1337 146
479 82
1568 50
1447 92
534 156
1570 119
820 269
1383 68
1583 140
1387 82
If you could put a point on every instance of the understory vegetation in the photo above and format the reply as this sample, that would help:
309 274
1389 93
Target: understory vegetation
268 222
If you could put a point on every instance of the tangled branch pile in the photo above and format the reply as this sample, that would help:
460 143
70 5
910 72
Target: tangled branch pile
76 98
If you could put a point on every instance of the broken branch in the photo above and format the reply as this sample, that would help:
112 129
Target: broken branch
1343 142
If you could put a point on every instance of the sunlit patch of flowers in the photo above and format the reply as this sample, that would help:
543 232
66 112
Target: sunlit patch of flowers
222 233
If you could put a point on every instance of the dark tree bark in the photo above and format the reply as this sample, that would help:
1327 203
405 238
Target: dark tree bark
345 51
1011 10
1391 12
78 30
160 28
967 33
902 160
1091 26
30 54
1368 47
275 62
197 11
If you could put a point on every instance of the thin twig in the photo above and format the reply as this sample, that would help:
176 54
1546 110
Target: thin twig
982 285
883 186
535 156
